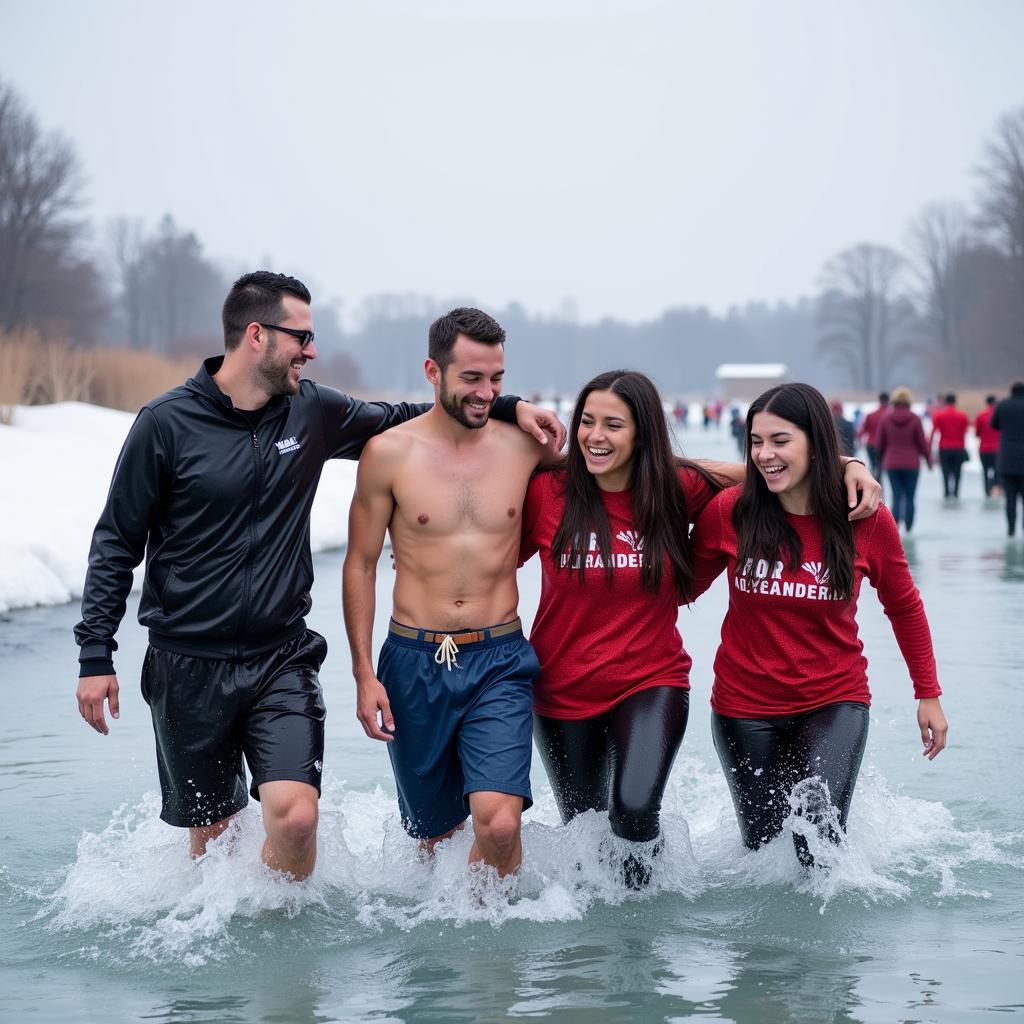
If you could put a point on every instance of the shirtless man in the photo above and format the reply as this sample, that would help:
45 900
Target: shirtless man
454 682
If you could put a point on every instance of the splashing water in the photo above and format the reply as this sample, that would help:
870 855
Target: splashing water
135 888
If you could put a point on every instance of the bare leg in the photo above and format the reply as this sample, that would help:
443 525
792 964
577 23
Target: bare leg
427 845
290 816
497 820
198 837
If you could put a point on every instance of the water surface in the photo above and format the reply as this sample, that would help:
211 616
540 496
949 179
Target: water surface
920 918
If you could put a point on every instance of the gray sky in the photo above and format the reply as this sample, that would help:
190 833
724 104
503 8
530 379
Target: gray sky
628 156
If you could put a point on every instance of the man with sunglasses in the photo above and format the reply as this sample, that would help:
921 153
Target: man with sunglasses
214 485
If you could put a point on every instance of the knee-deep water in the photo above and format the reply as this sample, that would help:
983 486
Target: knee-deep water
919 916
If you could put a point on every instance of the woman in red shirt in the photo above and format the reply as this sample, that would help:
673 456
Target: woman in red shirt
790 696
612 697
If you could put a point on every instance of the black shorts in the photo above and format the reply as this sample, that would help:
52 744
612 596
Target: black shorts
208 713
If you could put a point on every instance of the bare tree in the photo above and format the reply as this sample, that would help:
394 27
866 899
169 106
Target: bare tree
940 243
44 277
1002 198
862 310
1001 217
169 295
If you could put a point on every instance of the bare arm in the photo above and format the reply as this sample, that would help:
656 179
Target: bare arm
862 489
727 474
372 506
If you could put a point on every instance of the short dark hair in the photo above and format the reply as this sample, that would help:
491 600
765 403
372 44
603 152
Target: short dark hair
254 298
473 323
1017 387
990 399
883 396
951 399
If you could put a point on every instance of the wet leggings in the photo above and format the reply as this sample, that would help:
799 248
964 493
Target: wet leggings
764 758
617 762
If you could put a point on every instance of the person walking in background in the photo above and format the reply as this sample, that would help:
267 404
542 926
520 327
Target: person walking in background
790 697
901 446
868 434
847 445
736 429
1008 419
988 446
950 424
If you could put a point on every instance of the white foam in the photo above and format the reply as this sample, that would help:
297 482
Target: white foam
134 885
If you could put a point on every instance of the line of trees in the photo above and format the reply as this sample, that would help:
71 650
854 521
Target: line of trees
953 303
948 310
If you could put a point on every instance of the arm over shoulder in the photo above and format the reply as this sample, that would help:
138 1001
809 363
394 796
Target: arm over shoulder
350 422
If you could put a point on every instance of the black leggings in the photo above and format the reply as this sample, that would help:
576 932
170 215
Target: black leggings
951 462
764 758
618 761
1013 489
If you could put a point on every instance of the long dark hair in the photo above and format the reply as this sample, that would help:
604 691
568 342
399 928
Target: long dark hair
762 530
660 513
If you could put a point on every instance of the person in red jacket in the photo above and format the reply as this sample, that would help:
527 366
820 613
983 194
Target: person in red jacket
868 433
611 525
988 447
790 696
950 424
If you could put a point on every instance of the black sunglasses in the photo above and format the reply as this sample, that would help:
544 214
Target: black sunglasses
305 337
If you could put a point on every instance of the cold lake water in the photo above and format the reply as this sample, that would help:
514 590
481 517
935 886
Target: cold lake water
103 916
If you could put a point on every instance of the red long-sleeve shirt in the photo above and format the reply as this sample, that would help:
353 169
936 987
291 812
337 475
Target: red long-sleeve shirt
597 644
988 436
787 645
868 432
950 423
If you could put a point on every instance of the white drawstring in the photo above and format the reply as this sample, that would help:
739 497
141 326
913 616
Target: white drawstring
445 653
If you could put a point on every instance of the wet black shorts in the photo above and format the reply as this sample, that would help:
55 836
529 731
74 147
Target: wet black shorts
461 726
208 713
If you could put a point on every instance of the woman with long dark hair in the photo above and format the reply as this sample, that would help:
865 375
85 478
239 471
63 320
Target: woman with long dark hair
790 697
612 526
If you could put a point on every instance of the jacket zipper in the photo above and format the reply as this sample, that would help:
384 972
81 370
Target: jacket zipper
251 555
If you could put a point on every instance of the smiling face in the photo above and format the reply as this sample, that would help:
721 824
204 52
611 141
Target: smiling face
469 384
782 454
283 357
606 436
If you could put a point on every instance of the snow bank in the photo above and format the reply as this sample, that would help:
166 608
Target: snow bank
56 462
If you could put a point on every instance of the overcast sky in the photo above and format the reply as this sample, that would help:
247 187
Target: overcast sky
627 156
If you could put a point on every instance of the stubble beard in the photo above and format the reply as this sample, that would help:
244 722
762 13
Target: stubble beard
272 376
454 407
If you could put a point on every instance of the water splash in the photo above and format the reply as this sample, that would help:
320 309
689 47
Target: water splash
134 892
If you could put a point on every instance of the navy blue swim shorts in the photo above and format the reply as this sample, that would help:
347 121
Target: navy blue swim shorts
463 710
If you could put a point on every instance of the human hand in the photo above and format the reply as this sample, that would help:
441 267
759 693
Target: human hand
92 691
543 424
864 504
371 697
933 726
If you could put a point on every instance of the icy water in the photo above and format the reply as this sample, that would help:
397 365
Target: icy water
921 917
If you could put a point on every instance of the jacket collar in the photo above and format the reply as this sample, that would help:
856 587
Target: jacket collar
204 379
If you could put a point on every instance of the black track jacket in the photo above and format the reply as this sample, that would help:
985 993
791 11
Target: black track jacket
222 516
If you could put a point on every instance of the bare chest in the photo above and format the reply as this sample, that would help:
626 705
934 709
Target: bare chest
439 497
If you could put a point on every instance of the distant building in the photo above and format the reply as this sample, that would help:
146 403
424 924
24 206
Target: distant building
743 382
